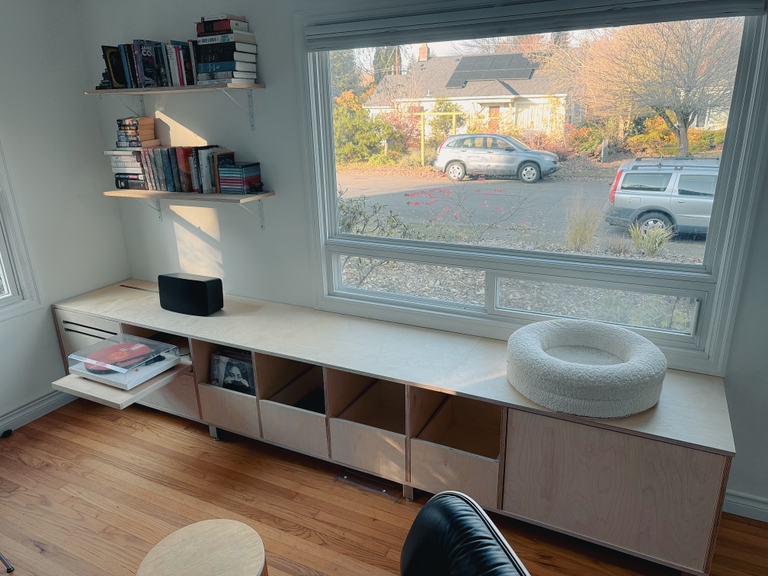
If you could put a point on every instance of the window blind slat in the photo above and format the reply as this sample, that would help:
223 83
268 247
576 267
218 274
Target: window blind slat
431 23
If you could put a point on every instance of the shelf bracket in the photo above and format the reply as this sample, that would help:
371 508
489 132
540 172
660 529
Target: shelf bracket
250 105
143 111
260 214
155 205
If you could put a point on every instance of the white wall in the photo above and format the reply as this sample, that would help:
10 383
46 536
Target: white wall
274 264
51 139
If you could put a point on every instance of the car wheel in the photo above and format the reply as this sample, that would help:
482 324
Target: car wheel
652 220
529 173
455 171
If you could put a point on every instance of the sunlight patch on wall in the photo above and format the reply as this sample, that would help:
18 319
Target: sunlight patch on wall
198 238
170 131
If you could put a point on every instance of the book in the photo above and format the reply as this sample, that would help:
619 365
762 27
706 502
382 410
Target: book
186 58
167 172
156 171
159 171
144 132
117 163
205 168
136 47
229 47
123 137
130 184
127 170
125 154
180 66
226 75
222 17
174 169
220 27
219 160
234 36
137 122
225 66
224 81
129 176
142 144
173 67
161 65
183 154
147 165
205 56
130 57
114 64
192 44
126 68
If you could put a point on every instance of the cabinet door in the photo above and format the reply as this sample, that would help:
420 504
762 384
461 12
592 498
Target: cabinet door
655 499
77 330
178 398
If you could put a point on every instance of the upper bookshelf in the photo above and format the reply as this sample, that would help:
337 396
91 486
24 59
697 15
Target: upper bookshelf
188 196
162 89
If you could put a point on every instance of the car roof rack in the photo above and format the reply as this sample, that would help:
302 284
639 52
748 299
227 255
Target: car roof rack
675 162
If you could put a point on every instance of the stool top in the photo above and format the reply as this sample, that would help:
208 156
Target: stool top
204 548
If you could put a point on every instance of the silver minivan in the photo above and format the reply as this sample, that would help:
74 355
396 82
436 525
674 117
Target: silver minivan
493 155
672 192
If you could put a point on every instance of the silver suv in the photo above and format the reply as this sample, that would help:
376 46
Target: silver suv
672 192
493 155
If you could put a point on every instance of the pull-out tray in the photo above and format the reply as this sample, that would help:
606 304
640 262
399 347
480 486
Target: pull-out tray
115 397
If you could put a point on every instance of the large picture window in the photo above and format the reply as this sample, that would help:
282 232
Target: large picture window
583 173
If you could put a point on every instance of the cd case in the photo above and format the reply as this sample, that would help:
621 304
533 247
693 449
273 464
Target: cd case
124 361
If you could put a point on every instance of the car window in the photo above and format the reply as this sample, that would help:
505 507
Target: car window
454 144
691 185
498 144
476 142
655 182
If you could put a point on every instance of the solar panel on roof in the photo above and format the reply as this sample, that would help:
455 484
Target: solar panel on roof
491 67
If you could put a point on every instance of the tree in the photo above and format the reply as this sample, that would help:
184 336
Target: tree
505 44
357 135
441 126
345 73
387 60
674 70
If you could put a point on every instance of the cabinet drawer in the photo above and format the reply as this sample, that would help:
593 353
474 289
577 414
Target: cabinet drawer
285 422
653 498
179 397
230 410
77 330
459 450
370 434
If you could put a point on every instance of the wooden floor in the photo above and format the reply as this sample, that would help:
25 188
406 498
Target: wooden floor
88 491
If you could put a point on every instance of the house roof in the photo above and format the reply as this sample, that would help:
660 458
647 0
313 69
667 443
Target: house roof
432 78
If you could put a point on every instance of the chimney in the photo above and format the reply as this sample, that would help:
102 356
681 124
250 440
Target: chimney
423 53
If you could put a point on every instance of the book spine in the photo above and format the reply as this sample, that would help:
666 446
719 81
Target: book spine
231 37
183 171
225 67
127 169
226 56
122 137
158 166
147 166
167 173
137 62
146 134
134 123
120 144
148 64
229 47
221 26
125 163
173 70
193 59
179 66
128 176
161 70
175 169
126 68
130 184
193 169
189 77
222 17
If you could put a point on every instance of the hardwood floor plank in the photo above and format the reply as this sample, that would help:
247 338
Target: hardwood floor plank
88 490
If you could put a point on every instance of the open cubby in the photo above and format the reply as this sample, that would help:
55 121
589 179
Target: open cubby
292 404
369 434
459 449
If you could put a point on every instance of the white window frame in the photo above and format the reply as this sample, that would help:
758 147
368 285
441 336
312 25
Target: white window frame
15 266
716 284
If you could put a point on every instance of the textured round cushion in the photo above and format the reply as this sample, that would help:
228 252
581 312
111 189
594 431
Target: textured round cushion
585 368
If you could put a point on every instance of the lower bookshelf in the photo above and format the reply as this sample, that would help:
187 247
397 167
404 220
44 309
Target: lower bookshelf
188 196
351 391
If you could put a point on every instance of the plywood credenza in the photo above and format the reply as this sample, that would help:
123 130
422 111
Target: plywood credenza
433 410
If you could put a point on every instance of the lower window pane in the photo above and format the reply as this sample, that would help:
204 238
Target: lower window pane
448 284
640 309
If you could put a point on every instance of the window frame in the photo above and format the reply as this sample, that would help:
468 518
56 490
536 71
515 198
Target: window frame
716 282
23 295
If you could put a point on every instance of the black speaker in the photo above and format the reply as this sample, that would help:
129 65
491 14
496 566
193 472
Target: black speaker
190 294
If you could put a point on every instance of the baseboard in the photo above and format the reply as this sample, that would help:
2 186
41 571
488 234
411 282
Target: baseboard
35 409
745 505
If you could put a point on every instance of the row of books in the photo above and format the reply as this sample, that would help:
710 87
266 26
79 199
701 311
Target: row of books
127 168
225 50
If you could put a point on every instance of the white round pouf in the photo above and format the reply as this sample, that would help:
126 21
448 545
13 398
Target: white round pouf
585 368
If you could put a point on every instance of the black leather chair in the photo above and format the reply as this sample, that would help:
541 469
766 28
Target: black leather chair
453 536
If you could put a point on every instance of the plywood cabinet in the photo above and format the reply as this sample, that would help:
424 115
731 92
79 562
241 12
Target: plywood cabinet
633 493
444 418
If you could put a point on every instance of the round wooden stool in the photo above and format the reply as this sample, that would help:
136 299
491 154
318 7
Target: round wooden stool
206 548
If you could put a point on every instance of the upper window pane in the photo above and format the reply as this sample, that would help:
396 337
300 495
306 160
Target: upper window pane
4 290
572 142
